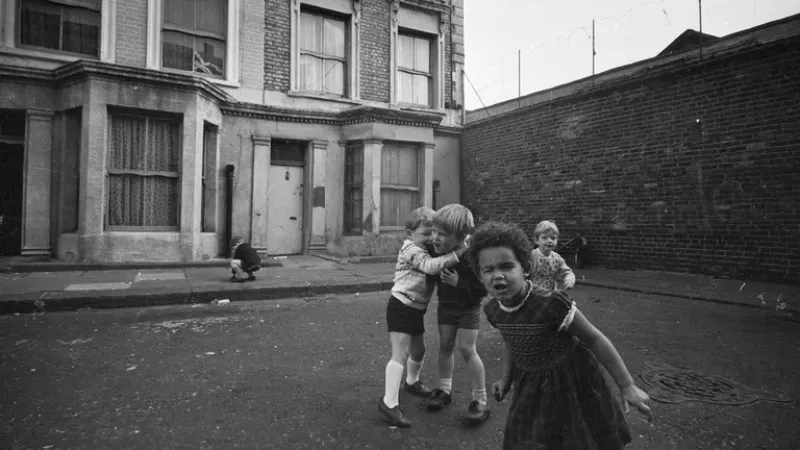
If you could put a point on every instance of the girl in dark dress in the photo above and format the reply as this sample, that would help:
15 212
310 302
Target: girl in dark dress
561 399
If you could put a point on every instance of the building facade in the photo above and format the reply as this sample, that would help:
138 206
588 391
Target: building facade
157 129
687 161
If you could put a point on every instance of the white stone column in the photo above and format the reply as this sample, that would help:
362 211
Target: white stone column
260 196
371 214
427 174
319 152
36 206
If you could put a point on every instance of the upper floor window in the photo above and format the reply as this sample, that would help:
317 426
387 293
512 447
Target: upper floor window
414 73
65 25
194 34
323 54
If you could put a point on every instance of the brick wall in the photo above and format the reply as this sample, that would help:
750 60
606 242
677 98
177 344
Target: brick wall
132 33
374 52
277 50
252 44
630 168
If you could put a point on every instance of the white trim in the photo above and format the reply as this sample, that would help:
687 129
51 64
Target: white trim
353 61
108 34
569 317
232 39
436 97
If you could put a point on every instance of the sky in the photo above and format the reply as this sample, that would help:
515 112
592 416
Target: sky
554 37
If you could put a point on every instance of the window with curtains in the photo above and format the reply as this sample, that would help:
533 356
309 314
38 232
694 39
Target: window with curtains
143 173
353 187
323 60
399 183
65 25
414 72
193 36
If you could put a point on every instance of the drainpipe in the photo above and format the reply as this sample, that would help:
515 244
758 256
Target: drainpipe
228 208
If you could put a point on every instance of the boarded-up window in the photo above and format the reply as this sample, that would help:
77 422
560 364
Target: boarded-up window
353 187
399 183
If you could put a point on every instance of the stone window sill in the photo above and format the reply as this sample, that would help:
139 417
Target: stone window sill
301 94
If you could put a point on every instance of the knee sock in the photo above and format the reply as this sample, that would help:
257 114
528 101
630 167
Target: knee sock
478 375
394 375
446 384
413 369
479 395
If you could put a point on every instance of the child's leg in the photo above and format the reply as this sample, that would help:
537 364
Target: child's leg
401 343
467 346
416 359
447 343
238 271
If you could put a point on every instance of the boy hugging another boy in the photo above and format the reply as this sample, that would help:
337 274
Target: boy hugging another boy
405 313
245 261
459 313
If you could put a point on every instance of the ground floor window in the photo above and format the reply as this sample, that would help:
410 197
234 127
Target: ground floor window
143 173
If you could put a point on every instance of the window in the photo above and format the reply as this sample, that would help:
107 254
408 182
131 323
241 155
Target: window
353 187
209 179
323 60
194 36
414 70
65 25
143 173
399 184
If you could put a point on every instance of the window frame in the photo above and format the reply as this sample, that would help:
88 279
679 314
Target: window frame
143 173
355 182
345 60
402 187
172 28
59 51
432 63
155 23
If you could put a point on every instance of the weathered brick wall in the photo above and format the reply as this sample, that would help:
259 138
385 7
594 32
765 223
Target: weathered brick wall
252 44
374 52
630 168
277 50
132 33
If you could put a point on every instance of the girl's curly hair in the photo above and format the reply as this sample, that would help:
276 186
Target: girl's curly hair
498 234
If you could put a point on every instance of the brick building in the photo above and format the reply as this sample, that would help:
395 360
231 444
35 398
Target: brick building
128 128
688 161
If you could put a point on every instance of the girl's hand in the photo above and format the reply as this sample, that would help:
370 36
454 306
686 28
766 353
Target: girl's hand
632 395
569 284
500 388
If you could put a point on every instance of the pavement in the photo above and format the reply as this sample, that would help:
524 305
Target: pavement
300 373
56 288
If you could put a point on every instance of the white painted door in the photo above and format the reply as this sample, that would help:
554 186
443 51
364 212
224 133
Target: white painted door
285 219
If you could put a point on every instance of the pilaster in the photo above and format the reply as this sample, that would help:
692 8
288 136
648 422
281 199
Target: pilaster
36 206
372 186
260 196
319 156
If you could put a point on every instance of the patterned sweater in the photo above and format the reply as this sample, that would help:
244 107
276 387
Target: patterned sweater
413 264
547 270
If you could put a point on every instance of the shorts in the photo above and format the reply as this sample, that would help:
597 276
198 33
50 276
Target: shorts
465 318
402 318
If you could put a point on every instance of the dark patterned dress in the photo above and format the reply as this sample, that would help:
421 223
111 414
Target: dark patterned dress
561 401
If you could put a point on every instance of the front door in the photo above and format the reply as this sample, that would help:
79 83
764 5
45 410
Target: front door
285 217
11 169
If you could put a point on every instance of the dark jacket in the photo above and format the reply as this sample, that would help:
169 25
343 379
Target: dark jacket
468 293
248 255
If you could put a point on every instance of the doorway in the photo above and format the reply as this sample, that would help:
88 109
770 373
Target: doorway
286 193
12 165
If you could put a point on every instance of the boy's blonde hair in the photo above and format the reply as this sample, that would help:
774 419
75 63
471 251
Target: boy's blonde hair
236 241
545 227
418 217
455 219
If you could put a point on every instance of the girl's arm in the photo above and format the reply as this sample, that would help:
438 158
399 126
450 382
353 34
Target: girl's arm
565 274
605 352
507 363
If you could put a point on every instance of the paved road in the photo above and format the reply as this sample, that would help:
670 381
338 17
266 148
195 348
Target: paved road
296 375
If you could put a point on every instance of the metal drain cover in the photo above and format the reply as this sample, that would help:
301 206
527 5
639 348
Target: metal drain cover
319 299
673 385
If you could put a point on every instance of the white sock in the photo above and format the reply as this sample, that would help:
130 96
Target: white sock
413 370
394 375
479 395
446 384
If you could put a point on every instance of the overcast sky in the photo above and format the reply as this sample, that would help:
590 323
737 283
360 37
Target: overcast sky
556 44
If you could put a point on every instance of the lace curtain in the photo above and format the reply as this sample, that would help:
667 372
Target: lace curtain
143 172
399 183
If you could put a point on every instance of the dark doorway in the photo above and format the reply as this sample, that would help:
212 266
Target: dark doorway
12 160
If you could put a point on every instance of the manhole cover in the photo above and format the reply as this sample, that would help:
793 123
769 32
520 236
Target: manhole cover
669 384
319 299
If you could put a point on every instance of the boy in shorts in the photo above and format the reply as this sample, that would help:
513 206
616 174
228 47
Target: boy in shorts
245 261
460 292
405 313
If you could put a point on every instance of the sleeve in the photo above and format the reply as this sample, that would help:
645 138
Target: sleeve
422 261
561 309
489 316
564 272
470 284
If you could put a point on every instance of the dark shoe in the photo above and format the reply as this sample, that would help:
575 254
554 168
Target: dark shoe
394 415
233 278
439 399
251 278
477 412
417 389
